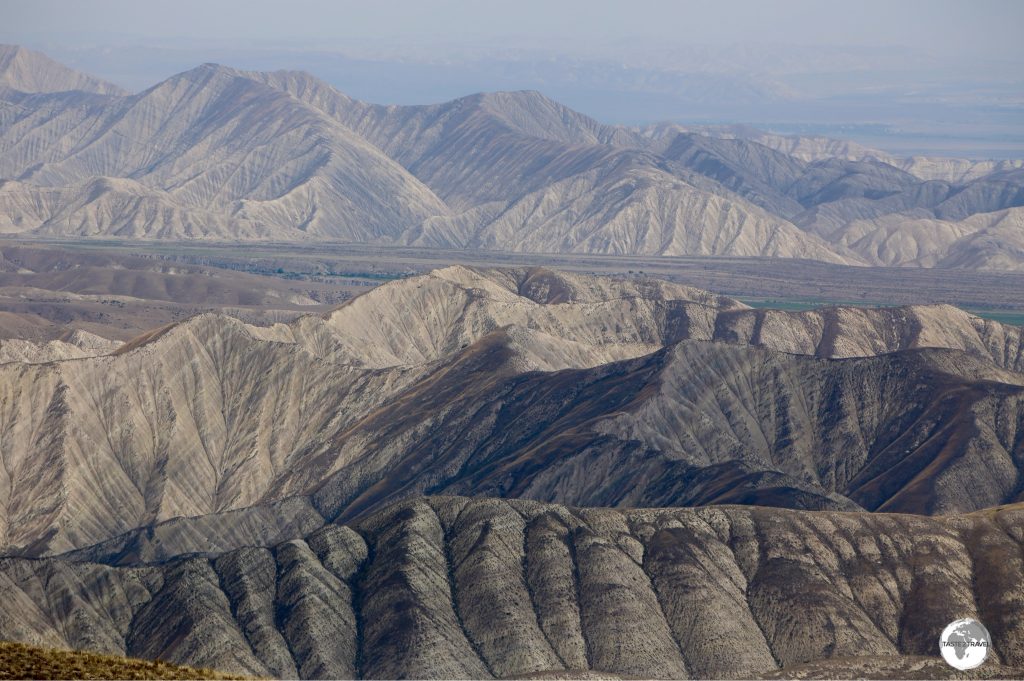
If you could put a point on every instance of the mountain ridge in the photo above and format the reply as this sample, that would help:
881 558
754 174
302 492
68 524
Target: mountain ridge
511 472
302 164
557 383
30 71
511 171
443 587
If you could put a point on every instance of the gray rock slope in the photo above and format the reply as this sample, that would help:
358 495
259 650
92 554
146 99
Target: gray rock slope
29 71
220 153
449 587
517 383
441 145
809 148
206 153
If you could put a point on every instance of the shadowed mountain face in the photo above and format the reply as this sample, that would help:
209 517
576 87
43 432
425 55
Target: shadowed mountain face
514 383
449 587
220 153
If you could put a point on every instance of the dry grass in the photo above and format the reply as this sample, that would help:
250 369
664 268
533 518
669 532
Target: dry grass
19 661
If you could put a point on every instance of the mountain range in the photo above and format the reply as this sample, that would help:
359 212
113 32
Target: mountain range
506 472
489 472
226 154
516 383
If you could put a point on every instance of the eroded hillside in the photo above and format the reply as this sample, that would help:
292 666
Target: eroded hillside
219 153
522 383
449 587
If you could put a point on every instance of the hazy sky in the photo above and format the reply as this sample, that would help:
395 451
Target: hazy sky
987 28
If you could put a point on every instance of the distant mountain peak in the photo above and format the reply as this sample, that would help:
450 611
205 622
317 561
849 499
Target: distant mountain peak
30 71
520 96
204 72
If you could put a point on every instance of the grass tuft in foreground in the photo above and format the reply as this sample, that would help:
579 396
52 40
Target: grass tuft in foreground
20 661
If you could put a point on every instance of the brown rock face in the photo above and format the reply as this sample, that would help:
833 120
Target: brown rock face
448 587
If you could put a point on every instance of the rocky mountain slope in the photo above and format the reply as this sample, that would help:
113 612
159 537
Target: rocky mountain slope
220 153
206 153
523 383
29 71
816 148
75 345
449 587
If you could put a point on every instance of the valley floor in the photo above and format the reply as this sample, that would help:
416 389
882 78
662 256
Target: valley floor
773 281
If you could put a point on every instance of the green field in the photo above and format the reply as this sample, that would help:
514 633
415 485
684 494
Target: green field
1005 317
1015 318
802 305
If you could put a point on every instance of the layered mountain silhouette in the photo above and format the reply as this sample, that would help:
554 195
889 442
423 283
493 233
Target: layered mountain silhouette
515 383
226 154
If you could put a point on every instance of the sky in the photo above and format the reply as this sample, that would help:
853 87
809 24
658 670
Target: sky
988 28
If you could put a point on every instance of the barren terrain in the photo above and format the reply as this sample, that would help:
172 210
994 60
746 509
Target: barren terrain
449 587
298 386
216 153
274 499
